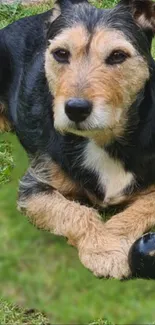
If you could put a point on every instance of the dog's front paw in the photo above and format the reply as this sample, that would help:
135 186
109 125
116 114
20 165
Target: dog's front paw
106 255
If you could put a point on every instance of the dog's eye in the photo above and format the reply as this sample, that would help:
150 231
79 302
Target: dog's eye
61 55
117 57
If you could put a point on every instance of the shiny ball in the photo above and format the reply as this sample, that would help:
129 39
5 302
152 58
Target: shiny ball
142 257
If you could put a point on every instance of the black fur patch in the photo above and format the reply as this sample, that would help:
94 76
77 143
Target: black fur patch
29 186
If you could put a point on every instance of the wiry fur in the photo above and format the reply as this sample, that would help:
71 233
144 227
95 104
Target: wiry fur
108 158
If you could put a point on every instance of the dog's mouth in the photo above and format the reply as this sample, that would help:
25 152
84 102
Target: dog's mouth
85 132
100 135
90 133
80 129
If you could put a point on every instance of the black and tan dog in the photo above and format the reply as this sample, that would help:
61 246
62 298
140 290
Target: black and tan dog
81 98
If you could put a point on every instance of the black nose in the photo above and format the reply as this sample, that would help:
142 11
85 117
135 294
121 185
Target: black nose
78 109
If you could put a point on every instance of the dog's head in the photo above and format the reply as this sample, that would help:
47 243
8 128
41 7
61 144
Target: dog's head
97 63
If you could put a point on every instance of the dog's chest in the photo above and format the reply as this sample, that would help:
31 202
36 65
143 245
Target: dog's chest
112 178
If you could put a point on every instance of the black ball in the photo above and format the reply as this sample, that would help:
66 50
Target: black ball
142 257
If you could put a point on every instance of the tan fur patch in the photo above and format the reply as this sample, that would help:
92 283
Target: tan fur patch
55 13
138 218
144 13
59 215
61 182
112 89
4 123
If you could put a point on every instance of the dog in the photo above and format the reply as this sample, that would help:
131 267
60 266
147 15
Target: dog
77 86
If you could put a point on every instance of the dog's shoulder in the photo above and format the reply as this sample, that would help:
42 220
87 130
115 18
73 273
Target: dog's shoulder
23 86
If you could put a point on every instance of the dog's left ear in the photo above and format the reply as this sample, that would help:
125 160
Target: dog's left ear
143 12
66 3
61 5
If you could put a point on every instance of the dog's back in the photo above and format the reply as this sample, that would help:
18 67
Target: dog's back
20 42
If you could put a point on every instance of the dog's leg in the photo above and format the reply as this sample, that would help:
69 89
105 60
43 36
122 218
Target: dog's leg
106 253
50 210
103 247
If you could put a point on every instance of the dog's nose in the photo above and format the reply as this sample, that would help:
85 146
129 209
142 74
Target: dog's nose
78 109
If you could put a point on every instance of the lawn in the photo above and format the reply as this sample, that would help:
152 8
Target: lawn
40 271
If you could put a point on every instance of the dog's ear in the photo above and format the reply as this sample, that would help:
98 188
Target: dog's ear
66 3
143 12
61 5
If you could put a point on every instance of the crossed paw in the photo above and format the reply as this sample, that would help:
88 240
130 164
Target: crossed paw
105 254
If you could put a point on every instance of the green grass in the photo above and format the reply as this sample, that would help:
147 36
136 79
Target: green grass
40 271
6 162
10 13
13 315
